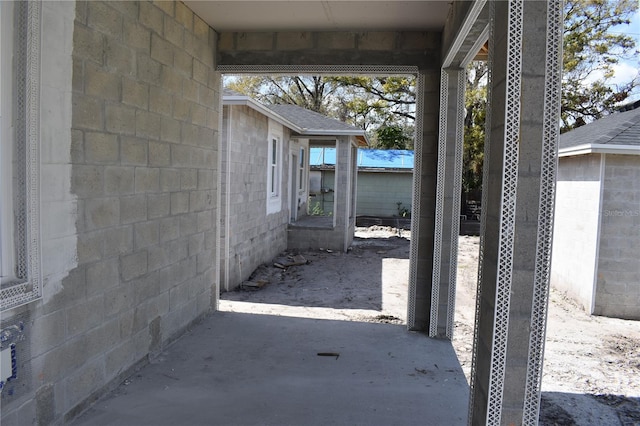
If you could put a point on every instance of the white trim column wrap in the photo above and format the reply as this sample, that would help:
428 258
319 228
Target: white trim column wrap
483 216
440 189
507 212
548 167
456 195
447 212
415 205
417 168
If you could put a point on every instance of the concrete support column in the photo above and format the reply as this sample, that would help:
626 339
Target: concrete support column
525 49
342 188
424 200
448 191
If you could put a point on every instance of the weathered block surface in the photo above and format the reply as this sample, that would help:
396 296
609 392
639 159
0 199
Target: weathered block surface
129 141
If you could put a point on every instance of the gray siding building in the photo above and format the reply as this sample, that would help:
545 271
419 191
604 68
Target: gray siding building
385 181
597 220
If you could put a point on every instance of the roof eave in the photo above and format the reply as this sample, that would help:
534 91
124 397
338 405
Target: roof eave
243 100
599 149
247 101
361 138
328 132
384 169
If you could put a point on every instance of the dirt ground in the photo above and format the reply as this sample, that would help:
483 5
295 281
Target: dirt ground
592 364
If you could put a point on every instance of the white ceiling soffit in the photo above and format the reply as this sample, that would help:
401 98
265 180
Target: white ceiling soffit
313 15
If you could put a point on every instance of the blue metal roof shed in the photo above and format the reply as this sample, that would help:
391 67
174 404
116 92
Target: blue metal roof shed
368 159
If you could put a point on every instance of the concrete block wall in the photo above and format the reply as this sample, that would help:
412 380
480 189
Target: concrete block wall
254 237
339 235
576 223
618 270
414 48
379 193
424 205
303 238
29 398
129 155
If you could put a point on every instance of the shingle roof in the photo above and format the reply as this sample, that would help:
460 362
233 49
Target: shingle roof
310 120
300 120
620 128
229 92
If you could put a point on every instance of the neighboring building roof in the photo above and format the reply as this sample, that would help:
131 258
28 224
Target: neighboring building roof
228 92
303 121
385 158
617 133
368 159
312 121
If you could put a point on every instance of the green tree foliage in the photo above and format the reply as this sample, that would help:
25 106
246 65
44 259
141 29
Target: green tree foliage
365 102
383 106
396 94
590 51
393 137
474 122
310 92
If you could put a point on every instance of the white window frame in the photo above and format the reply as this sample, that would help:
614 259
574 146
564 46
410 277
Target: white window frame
274 168
302 170
20 47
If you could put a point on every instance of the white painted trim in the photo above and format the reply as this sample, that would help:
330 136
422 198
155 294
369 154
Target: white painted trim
227 197
274 201
596 148
293 192
251 103
30 290
462 34
7 257
377 70
303 178
305 132
594 284
482 39
417 175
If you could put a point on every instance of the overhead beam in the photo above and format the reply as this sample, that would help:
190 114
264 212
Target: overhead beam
404 48
467 25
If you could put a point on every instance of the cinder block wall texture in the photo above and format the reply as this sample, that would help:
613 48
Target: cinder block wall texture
141 166
254 236
575 238
597 233
618 273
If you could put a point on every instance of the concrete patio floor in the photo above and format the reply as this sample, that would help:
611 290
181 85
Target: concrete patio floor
247 369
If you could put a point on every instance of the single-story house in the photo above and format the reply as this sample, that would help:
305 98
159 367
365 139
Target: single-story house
265 183
385 179
596 238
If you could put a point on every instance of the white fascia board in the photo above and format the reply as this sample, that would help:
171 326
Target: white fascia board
251 103
463 31
316 132
482 39
594 148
